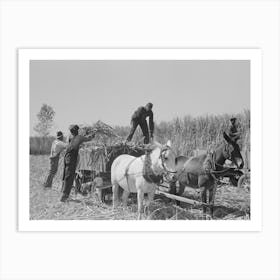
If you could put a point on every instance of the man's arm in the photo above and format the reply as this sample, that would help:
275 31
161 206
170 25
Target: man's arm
234 130
151 124
86 138
59 147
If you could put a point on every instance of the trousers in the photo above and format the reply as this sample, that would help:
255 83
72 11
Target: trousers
52 171
144 127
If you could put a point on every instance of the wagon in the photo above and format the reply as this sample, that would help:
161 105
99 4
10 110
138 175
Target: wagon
244 179
241 178
238 178
93 171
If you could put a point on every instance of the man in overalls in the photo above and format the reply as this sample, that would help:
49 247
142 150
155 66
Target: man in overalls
70 160
57 147
139 118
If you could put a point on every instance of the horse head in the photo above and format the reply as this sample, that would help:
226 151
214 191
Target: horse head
232 152
163 158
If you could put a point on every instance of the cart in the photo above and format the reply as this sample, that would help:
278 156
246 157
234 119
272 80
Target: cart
244 180
93 171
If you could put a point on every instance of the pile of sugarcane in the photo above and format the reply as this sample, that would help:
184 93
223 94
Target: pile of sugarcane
105 147
99 128
100 157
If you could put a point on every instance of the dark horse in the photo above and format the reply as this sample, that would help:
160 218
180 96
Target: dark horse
193 173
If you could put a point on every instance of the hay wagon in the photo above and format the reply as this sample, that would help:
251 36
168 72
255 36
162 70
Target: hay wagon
93 171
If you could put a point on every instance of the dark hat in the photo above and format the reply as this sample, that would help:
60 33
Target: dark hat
233 119
59 134
149 105
73 128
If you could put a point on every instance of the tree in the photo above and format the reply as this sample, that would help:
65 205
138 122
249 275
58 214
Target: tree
45 120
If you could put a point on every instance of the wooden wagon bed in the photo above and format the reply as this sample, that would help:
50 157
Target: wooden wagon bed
93 169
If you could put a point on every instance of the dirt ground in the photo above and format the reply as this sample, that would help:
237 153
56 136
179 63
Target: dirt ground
231 202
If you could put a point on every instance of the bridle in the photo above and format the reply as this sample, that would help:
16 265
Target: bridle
161 156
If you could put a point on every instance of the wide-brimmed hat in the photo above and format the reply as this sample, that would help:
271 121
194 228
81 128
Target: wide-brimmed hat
59 134
74 128
233 119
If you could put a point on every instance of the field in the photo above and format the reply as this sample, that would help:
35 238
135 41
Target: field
186 134
232 203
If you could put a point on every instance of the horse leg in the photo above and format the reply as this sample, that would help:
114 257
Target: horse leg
204 199
181 189
115 189
150 199
172 186
125 197
140 198
212 194
180 192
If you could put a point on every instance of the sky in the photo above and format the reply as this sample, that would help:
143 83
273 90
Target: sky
85 91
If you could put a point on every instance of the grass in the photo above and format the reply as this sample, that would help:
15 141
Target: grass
232 203
40 145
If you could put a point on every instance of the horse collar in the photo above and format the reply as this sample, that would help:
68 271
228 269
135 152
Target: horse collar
148 173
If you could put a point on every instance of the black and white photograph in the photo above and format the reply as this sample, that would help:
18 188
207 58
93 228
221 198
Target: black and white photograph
138 139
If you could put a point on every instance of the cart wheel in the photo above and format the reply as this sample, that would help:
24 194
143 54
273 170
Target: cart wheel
244 182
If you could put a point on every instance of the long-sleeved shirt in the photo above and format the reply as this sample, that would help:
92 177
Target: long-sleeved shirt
141 114
57 147
72 149
234 132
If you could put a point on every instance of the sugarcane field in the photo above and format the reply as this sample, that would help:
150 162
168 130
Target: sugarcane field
91 197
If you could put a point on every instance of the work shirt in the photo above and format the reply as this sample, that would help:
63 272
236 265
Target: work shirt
233 129
72 149
233 132
57 148
141 114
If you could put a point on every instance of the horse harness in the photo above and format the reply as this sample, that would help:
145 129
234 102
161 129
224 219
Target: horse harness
147 172
210 165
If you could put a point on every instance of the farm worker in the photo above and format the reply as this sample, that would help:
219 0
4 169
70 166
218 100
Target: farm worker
57 147
139 118
70 160
234 134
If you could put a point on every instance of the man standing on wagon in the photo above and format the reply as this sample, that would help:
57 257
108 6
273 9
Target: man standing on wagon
57 147
70 160
139 118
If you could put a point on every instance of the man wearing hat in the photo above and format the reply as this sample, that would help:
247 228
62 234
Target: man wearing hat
139 118
70 160
234 134
57 147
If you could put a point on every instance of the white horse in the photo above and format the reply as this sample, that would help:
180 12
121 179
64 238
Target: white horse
141 174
